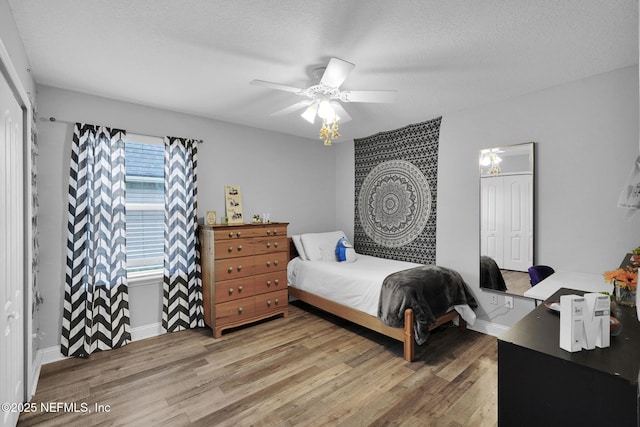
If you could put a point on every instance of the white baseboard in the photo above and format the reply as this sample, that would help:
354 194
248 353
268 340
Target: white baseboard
52 354
488 328
35 376
146 331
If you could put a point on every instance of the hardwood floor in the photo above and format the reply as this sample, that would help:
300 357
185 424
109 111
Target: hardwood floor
517 282
310 369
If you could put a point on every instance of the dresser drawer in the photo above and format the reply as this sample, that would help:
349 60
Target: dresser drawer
234 248
271 301
234 268
234 289
236 310
270 245
271 282
233 233
272 230
271 262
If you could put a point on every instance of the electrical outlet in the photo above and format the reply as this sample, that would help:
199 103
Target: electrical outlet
494 299
508 302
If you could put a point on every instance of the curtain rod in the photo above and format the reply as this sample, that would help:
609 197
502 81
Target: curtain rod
54 120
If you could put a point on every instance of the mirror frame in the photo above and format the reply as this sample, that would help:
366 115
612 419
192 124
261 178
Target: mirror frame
495 270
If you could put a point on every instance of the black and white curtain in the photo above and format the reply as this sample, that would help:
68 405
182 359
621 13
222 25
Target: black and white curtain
182 286
96 307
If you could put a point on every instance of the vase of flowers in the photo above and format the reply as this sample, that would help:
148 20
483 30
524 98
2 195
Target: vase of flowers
625 284
635 257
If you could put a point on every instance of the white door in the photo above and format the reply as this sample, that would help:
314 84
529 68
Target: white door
492 218
11 253
517 228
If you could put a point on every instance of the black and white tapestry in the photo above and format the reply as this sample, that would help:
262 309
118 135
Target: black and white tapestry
396 176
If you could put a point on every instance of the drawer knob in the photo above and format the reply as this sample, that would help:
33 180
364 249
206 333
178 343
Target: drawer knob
275 262
238 234
275 232
268 282
230 249
230 291
230 234
240 309
277 301
268 263
240 288
268 244
276 281
239 267
230 269
275 244
269 303
268 232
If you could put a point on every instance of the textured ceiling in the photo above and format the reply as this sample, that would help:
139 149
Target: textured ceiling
198 57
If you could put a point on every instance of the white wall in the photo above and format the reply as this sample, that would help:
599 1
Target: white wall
291 178
13 43
586 134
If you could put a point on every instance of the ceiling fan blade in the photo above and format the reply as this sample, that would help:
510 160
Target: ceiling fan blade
341 112
336 72
292 108
386 96
277 86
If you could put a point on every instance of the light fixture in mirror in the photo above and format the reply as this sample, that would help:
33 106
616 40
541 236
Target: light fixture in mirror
506 217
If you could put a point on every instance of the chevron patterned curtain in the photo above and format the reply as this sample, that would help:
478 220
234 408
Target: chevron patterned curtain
96 302
182 301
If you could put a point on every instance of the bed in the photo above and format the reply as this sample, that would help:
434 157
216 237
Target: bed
374 292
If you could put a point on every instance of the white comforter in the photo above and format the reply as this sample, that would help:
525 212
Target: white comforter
356 285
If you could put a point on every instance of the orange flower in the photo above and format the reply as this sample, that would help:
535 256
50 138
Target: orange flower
624 277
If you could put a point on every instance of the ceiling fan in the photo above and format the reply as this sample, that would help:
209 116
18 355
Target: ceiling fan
324 96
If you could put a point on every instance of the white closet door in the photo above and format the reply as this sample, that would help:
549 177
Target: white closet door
517 230
11 253
492 218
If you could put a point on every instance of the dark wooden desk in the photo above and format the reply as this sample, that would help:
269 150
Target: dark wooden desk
541 384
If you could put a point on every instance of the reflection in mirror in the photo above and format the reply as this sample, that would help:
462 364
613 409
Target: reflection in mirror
506 217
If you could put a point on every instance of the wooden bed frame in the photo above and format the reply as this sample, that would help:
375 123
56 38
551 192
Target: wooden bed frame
406 334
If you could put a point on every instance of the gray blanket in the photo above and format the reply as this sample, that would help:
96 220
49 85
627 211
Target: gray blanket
429 290
490 275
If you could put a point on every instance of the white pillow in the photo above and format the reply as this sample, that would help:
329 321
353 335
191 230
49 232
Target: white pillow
298 244
321 246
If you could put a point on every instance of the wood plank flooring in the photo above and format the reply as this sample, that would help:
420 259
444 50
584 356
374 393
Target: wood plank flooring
517 282
309 369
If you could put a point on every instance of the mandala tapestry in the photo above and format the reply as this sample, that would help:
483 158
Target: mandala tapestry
395 187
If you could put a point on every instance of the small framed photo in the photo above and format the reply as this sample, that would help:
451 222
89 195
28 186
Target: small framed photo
211 218
233 203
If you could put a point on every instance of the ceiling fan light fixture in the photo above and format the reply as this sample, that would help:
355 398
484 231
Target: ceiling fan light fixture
323 93
326 111
310 113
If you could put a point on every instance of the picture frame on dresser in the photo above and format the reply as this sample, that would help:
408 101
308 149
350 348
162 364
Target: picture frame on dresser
233 204
244 274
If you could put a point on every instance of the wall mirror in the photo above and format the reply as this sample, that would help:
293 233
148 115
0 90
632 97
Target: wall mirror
506 217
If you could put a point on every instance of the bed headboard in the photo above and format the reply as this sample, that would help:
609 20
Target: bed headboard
293 252
396 176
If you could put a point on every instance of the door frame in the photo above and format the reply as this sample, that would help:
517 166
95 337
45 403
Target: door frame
31 367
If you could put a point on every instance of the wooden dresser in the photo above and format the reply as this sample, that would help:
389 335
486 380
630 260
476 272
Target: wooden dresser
244 273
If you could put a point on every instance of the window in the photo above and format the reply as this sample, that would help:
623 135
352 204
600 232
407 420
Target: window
144 168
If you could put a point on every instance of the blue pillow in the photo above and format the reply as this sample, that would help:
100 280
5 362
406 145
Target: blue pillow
345 251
